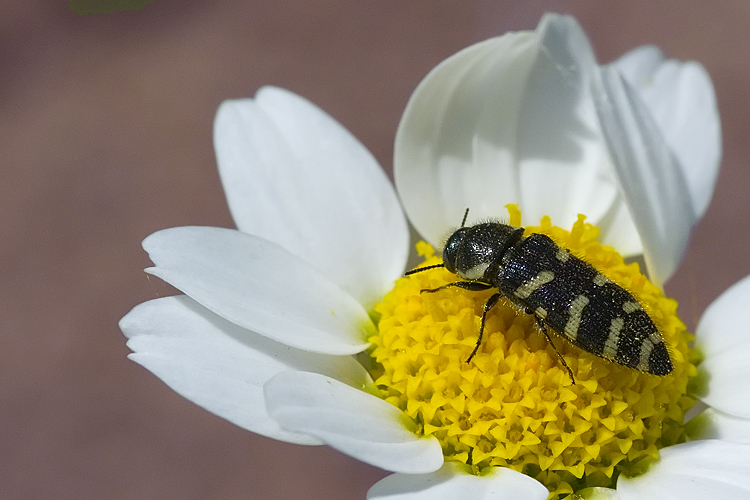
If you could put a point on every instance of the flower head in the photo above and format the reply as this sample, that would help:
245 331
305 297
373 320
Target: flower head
278 317
514 405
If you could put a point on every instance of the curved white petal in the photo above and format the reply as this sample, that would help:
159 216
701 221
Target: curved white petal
681 99
715 424
456 140
352 421
295 176
640 65
256 284
726 377
221 366
722 338
693 471
509 120
617 229
650 176
451 482
723 325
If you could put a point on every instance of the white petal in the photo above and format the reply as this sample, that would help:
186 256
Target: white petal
654 186
258 285
445 158
221 366
295 176
715 424
566 169
617 229
352 421
726 377
639 65
722 337
509 120
695 470
451 482
723 325
681 99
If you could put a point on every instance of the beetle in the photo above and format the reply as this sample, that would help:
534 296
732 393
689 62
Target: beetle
562 291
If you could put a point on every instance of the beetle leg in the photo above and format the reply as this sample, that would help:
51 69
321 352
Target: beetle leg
543 327
472 286
487 306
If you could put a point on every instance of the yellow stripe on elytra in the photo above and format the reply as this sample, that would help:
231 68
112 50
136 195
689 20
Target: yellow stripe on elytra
544 277
562 255
610 347
600 279
630 307
646 349
575 312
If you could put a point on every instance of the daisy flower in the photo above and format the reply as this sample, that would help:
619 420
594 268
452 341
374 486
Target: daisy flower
299 326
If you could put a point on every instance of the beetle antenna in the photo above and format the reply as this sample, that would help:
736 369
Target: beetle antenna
420 269
466 214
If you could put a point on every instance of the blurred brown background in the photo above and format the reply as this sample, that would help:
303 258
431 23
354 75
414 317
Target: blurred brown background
105 137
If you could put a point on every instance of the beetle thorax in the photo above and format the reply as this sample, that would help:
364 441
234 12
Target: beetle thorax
471 251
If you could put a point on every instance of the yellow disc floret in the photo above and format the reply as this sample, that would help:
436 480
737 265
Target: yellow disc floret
514 404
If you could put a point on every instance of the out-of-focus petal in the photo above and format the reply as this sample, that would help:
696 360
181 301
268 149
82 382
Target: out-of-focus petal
257 285
722 338
453 482
220 366
715 424
726 376
723 325
681 99
352 421
650 176
510 120
295 176
695 470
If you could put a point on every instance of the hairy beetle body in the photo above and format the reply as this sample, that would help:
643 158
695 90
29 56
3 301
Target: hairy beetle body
565 294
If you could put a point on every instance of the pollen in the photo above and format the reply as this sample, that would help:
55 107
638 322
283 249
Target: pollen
514 405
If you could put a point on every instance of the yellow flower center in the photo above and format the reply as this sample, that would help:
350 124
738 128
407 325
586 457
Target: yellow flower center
514 404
